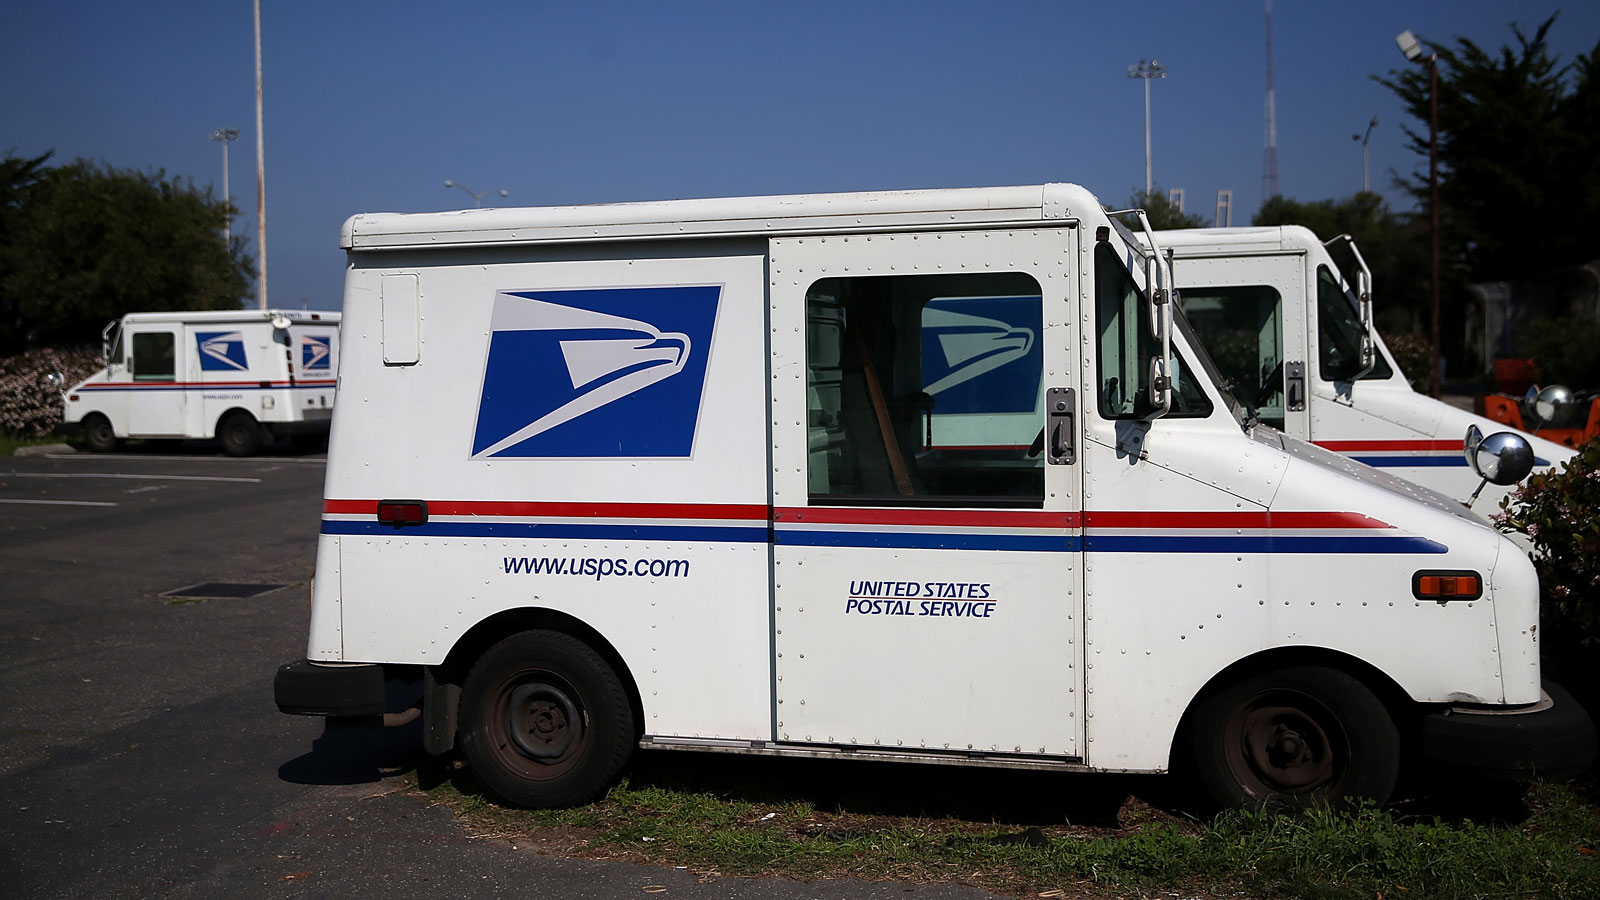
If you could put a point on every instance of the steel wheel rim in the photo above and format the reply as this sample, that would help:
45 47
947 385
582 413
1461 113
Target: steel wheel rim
541 725
1286 742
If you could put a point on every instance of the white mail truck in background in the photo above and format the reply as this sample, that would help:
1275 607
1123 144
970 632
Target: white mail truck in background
929 476
1295 342
240 376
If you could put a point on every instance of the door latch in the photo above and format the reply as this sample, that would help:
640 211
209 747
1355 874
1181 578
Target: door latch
1294 386
1061 426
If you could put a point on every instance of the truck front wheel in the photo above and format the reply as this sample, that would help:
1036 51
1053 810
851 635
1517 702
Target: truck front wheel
98 434
240 435
1282 740
545 720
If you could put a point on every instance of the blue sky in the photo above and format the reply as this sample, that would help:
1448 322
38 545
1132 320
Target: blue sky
371 106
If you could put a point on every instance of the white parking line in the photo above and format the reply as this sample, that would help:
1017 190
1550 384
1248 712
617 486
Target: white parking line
88 457
57 502
123 475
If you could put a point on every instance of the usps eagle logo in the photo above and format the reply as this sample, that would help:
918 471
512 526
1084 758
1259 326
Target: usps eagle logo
221 351
613 372
316 353
981 354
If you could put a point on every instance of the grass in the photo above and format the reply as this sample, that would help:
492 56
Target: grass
9 442
1051 835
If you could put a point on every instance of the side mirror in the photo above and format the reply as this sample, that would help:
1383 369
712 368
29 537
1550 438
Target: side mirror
1548 402
1502 458
56 380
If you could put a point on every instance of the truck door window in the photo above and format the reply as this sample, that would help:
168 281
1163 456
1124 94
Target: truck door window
1126 345
925 389
1242 328
153 357
1339 332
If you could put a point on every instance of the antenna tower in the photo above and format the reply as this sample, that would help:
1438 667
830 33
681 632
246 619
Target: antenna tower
1269 162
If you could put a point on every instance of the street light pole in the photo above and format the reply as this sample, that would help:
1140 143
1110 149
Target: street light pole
1411 48
477 198
1366 177
1147 71
261 176
225 135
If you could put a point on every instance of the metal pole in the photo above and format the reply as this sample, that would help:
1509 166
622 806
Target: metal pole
261 175
226 136
1148 184
1147 71
1433 182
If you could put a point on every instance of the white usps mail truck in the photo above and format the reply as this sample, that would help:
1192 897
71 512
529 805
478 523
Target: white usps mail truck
240 376
933 476
1295 342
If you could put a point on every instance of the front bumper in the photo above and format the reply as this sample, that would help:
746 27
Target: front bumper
1554 738
306 688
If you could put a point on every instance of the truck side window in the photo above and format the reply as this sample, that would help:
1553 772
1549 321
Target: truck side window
153 357
925 389
1339 331
1242 328
1126 346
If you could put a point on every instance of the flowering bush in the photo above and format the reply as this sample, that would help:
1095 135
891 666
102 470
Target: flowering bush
1560 513
29 406
1413 353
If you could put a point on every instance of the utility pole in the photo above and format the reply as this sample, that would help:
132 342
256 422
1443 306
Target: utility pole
1411 48
225 135
1366 171
261 176
1147 71
1269 159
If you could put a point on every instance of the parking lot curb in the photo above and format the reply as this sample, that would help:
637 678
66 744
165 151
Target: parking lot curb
43 449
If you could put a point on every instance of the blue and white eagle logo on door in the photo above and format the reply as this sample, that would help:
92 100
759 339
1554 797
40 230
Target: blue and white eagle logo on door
316 353
611 372
221 351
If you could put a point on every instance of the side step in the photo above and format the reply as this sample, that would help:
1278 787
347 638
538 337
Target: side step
877 754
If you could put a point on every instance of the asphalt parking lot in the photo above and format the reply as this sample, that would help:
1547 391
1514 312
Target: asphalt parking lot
142 753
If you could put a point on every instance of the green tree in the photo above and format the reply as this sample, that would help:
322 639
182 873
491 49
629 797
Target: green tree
1162 213
83 243
1395 248
1518 134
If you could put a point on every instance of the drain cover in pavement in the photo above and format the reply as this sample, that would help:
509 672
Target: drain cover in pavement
220 589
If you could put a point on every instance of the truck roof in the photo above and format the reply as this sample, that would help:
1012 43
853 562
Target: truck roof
1235 241
220 316
722 217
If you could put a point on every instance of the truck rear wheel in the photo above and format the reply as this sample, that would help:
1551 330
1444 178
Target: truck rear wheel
545 720
98 433
240 434
1282 740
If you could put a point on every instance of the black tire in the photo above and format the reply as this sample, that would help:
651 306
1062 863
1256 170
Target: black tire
545 720
240 435
1283 740
98 434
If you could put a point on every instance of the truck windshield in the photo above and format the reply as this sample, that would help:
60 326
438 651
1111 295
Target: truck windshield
1339 333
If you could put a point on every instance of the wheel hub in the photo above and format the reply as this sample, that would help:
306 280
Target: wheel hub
543 722
1287 749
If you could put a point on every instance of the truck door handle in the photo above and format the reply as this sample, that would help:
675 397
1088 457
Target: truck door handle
1294 386
1061 410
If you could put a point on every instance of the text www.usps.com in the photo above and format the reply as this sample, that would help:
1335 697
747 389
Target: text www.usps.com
584 566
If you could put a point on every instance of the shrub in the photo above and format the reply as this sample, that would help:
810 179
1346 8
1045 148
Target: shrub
1559 511
1413 353
29 406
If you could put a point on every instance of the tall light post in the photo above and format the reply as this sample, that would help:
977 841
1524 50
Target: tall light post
1411 48
1147 71
477 198
1366 177
261 176
225 135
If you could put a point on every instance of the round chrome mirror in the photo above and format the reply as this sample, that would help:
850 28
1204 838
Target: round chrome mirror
1549 402
56 380
1501 458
